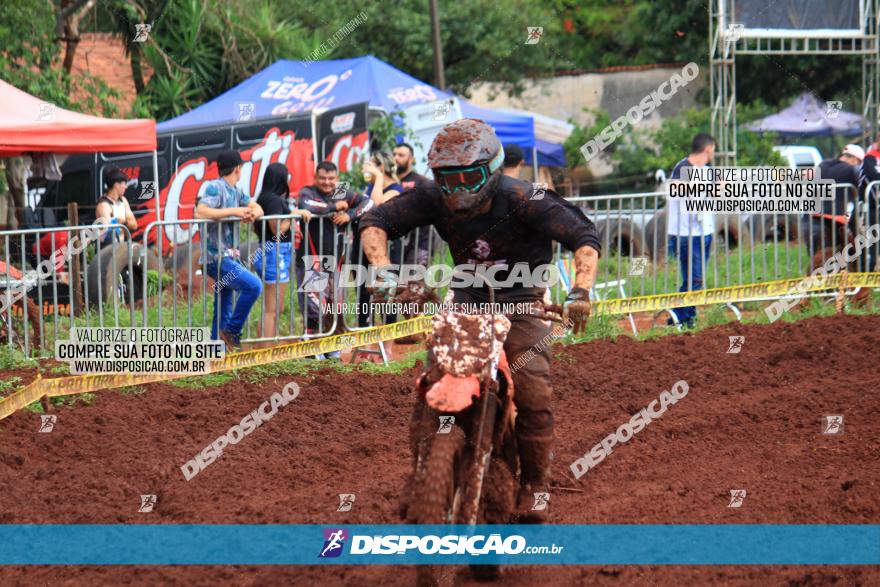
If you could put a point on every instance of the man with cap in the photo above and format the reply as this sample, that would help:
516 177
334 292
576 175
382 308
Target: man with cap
870 174
824 230
226 204
513 160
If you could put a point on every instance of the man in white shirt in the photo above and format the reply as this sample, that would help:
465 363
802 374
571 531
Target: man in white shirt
690 233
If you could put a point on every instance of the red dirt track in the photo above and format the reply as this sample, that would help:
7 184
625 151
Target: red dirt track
750 421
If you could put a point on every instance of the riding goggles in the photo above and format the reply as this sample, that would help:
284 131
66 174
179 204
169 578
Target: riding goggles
458 179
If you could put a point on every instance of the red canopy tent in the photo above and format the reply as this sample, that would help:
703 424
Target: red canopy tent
28 124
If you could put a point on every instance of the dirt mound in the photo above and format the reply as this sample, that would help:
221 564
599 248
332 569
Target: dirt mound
750 421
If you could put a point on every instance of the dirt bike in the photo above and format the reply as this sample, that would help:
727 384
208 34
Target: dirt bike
465 468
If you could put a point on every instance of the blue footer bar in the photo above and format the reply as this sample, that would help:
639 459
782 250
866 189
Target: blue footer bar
642 544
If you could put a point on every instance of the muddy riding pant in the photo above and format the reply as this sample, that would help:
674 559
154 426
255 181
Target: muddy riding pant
528 352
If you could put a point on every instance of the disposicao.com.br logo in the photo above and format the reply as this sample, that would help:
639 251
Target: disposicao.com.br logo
431 544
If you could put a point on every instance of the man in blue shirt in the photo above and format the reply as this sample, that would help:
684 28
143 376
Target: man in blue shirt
226 205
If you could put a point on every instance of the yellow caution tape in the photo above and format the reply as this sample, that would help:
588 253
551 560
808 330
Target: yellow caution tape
85 383
738 293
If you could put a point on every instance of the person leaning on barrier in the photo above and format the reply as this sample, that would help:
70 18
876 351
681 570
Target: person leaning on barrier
274 257
826 228
113 207
690 233
224 203
333 206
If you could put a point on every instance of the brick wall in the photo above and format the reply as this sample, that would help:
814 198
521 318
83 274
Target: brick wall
103 55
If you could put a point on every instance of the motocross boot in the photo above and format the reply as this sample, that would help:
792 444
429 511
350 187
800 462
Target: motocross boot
533 501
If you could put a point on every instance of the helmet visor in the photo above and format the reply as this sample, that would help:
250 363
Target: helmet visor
458 179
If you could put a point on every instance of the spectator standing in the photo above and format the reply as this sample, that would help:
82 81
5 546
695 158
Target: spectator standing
826 229
113 207
381 172
225 204
418 245
273 259
404 159
514 159
871 197
333 207
690 233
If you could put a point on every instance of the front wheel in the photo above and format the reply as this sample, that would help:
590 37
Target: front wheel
433 495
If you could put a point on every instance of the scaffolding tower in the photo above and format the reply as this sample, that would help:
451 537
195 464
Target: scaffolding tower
727 39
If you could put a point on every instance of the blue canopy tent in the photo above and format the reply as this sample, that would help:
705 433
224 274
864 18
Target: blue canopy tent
297 86
549 154
515 127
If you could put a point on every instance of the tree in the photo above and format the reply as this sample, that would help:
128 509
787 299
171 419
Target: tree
482 39
198 49
67 18
638 153
30 60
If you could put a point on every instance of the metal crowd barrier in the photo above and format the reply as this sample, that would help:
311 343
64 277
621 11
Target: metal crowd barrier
84 280
743 249
301 312
133 285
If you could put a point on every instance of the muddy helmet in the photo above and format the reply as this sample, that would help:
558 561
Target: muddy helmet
465 158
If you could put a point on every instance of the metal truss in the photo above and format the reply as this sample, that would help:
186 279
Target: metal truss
727 39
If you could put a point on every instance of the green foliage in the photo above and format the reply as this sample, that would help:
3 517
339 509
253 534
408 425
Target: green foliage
300 367
256 36
60 369
198 49
639 152
203 381
384 134
580 135
132 390
30 59
597 327
153 278
68 401
481 39
394 367
12 358
7 386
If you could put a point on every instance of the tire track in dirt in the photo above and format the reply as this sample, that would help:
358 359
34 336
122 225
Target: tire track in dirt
750 421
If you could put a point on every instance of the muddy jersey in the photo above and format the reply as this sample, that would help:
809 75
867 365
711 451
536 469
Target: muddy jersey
516 229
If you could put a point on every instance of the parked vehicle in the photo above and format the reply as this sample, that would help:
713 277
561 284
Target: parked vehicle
799 155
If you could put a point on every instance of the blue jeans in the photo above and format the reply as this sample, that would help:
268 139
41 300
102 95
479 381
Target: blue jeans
691 257
232 277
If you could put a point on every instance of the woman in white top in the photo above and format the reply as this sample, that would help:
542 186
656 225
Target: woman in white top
113 207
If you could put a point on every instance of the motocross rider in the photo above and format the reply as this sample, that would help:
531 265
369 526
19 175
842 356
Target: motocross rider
489 218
